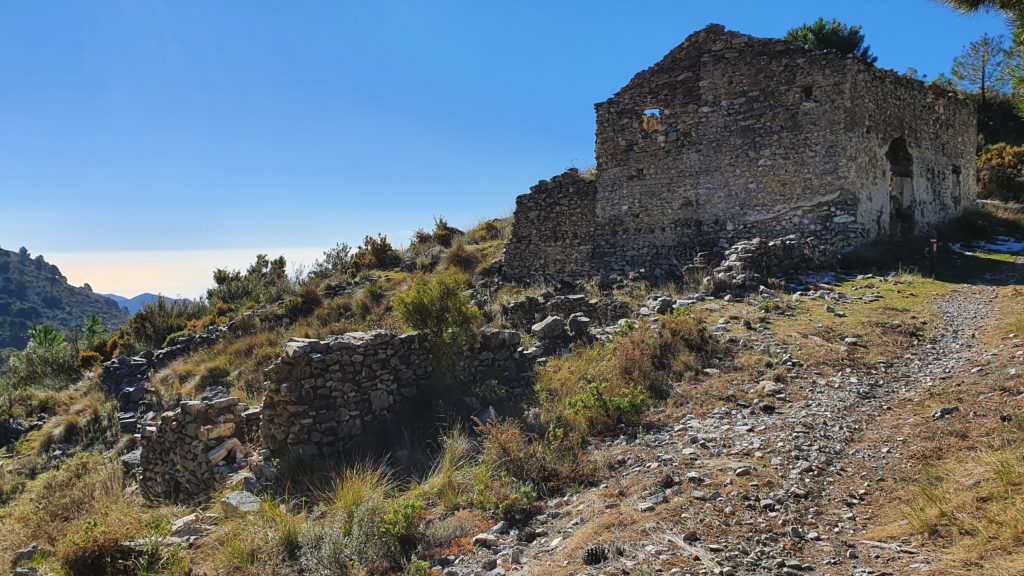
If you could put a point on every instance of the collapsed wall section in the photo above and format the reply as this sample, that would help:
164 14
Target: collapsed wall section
189 451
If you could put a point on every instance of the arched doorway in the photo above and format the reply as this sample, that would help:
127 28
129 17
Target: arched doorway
901 188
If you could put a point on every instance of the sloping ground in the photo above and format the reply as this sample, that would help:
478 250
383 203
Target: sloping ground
824 473
33 291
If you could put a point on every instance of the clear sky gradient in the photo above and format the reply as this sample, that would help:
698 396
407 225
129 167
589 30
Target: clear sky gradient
143 142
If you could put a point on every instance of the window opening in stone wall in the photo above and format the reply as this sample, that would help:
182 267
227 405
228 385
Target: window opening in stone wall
807 92
652 119
901 188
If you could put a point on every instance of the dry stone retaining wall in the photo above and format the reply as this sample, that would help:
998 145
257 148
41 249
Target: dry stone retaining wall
189 451
322 394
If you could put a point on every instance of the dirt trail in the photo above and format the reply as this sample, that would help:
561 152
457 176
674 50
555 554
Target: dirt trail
788 487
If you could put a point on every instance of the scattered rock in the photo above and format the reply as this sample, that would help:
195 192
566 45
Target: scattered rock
235 503
940 413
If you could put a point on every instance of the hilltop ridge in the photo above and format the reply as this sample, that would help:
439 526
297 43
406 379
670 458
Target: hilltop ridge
33 291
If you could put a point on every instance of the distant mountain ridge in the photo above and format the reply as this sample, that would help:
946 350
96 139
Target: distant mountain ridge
136 303
33 291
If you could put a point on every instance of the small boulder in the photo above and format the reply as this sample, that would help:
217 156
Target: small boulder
550 328
239 503
485 540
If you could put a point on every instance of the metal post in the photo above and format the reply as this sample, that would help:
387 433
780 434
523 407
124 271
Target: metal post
931 256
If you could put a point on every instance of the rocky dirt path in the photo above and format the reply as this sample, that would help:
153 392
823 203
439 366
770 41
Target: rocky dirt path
784 486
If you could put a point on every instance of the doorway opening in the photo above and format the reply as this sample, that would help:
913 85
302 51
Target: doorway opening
901 188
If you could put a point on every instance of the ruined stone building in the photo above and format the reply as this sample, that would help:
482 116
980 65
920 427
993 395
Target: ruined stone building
731 137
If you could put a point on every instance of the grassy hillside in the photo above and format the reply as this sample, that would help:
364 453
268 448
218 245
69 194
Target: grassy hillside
33 291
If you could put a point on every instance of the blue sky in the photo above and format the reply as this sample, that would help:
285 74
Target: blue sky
140 127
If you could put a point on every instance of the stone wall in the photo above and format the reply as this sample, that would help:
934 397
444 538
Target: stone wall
554 229
127 378
322 394
189 451
748 263
731 137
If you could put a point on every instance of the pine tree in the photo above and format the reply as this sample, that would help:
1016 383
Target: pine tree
983 65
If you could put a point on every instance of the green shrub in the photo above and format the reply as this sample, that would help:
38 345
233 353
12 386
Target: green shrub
151 326
51 366
438 306
88 360
337 260
264 282
303 303
1001 173
376 254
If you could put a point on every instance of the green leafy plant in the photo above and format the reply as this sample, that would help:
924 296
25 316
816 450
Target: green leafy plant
438 306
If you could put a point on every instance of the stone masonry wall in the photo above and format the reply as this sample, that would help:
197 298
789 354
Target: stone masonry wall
189 451
321 394
554 228
731 137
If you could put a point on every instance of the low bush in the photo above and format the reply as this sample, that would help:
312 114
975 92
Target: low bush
548 465
608 385
439 306
264 282
442 235
460 257
303 303
1001 173
264 542
582 395
150 327
367 525
376 254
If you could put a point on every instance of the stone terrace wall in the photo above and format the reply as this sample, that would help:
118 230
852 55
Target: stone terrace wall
554 229
321 394
189 451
